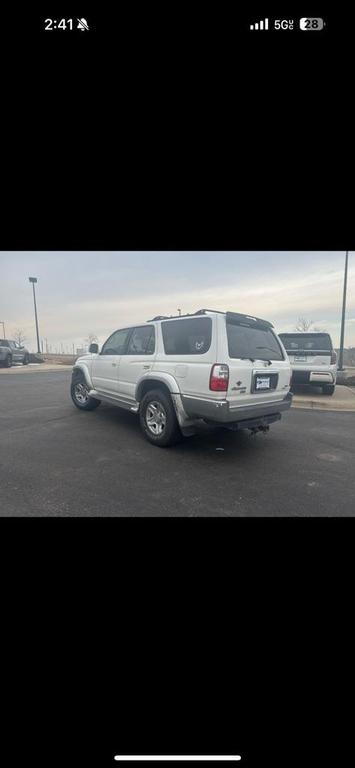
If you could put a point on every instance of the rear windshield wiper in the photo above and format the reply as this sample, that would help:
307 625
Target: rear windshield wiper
253 359
270 348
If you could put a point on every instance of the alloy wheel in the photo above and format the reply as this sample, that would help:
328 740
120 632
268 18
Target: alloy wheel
155 417
81 393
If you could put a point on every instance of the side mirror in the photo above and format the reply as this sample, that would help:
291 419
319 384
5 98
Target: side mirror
94 348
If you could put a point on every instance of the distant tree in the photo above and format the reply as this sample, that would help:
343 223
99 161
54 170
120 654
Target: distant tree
304 325
19 336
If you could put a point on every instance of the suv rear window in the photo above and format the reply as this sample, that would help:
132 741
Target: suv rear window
4 343
256 343
304 341
187 337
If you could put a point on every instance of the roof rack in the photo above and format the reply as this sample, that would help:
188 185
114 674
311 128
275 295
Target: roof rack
173 317
188 314
203 311
233 317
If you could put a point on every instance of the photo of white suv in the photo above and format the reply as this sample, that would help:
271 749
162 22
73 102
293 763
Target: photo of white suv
224 368
313 359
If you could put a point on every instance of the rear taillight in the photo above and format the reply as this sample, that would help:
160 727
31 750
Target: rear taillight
219 378
333 357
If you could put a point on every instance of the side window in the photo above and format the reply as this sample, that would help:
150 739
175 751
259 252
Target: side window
187 337
116 344
142 341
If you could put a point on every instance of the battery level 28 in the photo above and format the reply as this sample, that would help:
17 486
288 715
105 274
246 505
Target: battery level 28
311 24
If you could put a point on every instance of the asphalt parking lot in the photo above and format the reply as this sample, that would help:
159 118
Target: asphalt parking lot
58 461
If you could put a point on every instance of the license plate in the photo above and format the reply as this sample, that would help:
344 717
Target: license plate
300 359
262 382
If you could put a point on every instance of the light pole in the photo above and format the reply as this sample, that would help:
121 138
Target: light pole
33 280
341 350
3 328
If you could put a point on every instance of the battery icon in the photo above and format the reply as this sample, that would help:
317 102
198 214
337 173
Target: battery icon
311 24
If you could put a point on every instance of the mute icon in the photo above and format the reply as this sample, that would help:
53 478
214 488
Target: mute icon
82 24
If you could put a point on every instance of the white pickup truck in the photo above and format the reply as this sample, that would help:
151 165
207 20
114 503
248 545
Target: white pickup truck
226 368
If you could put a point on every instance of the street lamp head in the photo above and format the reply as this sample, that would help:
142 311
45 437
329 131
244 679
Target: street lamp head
32 279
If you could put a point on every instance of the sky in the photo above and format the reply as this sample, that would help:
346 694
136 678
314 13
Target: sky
95 292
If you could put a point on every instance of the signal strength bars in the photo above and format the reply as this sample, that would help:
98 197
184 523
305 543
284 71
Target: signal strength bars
262 24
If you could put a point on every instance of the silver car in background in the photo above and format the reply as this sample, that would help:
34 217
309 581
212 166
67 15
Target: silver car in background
11 352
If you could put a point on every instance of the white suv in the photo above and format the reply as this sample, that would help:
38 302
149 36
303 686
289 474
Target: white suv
313 359
225 368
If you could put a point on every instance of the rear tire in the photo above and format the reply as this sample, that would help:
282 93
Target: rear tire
79 394
328 389
25 360
158 419
8 362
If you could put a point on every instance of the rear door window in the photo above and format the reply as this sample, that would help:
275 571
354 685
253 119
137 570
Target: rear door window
255 343
187 337
142 341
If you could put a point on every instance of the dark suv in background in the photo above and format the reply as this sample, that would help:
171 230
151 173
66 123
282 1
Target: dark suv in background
11 352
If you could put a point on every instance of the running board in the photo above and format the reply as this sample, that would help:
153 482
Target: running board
111 400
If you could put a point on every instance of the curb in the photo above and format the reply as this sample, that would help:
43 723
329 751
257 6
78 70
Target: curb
317 405
31 368
322 408
342 401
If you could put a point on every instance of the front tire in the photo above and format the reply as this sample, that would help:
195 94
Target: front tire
79 392
25 360
8 362
158 419
328 389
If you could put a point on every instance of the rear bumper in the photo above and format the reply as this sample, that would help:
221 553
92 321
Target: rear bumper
221 412
313 377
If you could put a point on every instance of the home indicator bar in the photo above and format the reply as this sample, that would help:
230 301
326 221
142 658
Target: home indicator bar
177 758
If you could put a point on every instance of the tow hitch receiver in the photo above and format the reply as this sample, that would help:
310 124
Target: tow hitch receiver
260 424
261 428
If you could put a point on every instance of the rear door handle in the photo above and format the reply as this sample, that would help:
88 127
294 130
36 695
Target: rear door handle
146 367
